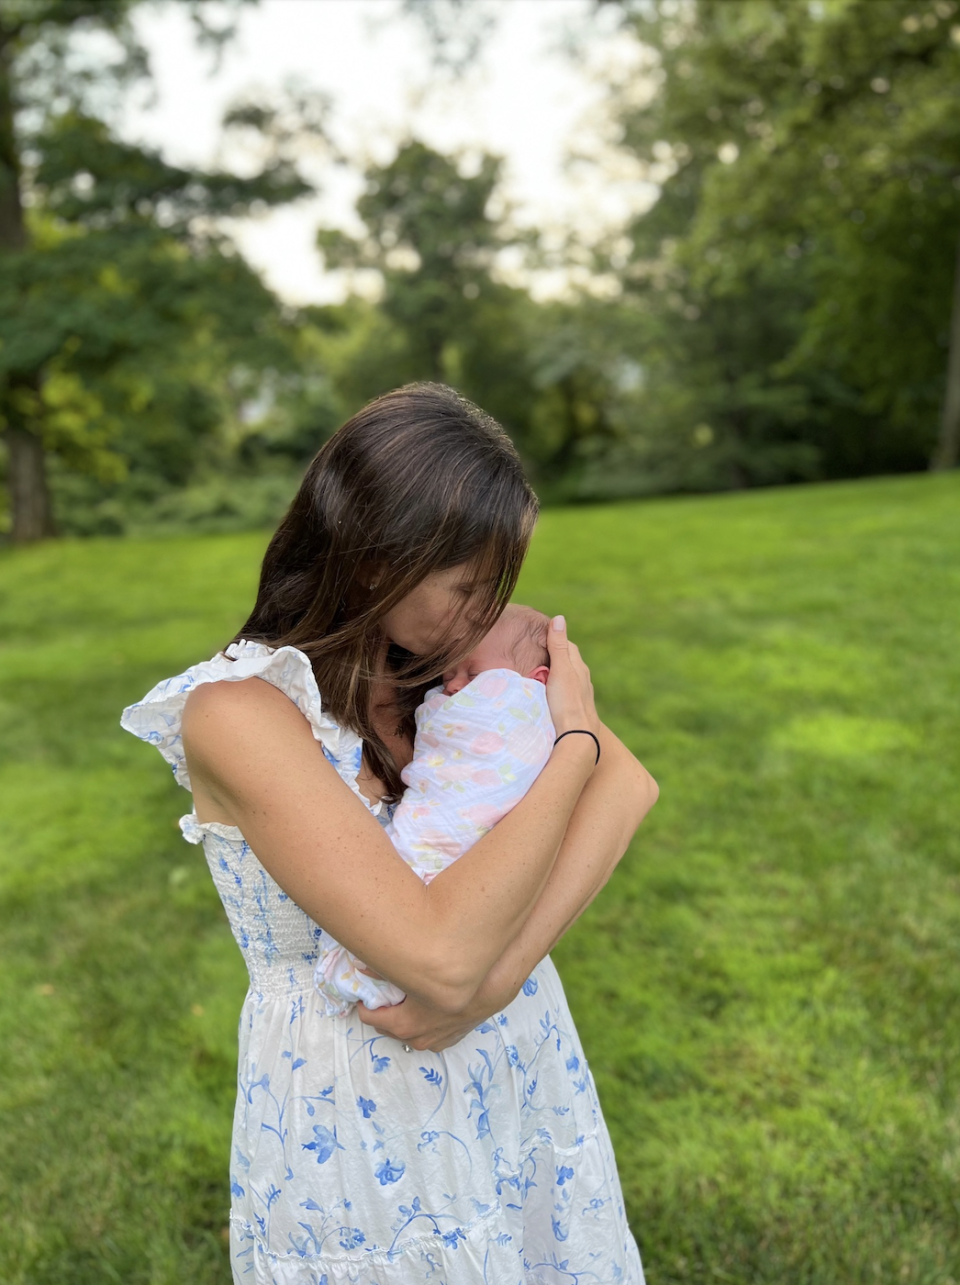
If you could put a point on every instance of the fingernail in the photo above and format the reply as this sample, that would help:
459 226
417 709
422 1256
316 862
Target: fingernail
559 623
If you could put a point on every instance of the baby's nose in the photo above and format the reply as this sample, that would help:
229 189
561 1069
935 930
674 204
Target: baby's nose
453 685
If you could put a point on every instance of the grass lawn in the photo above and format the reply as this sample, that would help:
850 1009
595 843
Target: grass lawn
768 988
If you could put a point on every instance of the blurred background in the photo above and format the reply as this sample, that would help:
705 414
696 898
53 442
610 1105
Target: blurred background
673 247
700 258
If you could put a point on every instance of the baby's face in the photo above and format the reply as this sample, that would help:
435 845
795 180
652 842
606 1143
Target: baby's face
492 652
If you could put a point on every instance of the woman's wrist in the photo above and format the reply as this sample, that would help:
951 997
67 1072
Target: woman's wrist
578 748
581 731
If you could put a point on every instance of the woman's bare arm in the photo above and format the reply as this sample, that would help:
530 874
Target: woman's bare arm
608 812
613 803
256 757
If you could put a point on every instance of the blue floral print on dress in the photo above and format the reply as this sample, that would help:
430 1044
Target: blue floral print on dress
357 1163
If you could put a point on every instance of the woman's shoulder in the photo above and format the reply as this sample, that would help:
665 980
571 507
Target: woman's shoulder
227 707
240 737
222 706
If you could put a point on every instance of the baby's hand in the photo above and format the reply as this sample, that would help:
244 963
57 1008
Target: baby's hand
569 689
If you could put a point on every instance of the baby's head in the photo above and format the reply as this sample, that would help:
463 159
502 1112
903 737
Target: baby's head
518 641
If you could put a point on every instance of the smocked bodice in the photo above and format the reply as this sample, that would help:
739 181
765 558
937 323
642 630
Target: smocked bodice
279 942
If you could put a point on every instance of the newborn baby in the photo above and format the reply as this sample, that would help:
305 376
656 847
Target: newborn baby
481 741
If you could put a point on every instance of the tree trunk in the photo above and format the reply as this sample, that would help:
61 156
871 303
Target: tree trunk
13 236
29 493
948 445
27 480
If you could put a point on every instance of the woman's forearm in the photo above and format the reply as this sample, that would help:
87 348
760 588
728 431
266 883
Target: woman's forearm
319 843
480 902
612 805
610 808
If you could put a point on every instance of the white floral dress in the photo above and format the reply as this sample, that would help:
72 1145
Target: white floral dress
354 1161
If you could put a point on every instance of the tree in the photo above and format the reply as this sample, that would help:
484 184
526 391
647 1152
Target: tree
432 239
455 30
433 235
116 287
810 165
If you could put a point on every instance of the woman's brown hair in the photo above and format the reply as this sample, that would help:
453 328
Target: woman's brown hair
417 481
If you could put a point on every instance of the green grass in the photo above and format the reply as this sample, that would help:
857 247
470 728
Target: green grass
768 988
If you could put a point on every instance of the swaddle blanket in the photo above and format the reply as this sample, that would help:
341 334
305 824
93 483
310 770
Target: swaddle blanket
475 755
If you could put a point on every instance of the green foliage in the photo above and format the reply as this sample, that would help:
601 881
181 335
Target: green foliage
431 238
145 326
455 30
132 333
784 313
797 267
144 503
433 235
767 989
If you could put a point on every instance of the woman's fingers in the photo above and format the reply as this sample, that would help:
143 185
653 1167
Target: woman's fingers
569 689
380 1019
557 635
413 1024
391 1021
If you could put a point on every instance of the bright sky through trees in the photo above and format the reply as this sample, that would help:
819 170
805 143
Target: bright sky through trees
527 99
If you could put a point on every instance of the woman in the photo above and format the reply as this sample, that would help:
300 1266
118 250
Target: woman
455 1137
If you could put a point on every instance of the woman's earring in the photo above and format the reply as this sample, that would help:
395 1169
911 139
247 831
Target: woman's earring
373 585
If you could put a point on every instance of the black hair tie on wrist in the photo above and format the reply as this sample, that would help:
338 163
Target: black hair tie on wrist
581 731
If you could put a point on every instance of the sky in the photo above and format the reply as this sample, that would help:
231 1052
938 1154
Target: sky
527 99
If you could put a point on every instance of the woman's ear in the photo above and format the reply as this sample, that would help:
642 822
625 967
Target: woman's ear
541 673
369 574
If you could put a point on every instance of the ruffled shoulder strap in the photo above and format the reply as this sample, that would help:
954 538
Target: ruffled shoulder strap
156 718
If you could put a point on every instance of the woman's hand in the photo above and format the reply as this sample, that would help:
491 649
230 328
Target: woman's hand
421 1027
569 689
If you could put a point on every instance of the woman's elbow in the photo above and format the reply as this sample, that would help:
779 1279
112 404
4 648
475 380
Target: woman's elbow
653 789
452 993
634 785
448 983
645 793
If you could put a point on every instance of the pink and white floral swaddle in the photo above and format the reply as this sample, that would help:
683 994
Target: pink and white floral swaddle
475 755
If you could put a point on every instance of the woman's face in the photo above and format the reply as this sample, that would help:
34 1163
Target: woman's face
438 608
